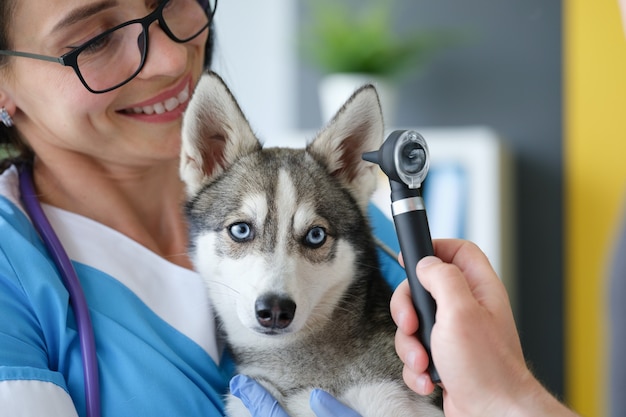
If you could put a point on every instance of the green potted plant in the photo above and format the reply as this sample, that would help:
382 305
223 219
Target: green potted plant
357 42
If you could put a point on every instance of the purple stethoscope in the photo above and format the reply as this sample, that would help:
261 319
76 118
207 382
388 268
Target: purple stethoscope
73 286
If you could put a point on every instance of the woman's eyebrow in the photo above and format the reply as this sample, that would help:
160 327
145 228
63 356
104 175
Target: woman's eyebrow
84 12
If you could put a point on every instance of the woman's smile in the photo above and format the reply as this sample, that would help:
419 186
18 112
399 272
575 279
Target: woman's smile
169 104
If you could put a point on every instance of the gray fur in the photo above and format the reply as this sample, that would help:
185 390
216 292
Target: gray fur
346 345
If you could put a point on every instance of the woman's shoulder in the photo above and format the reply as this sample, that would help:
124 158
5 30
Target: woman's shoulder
16 228
23 258
10 203
31 295
19 237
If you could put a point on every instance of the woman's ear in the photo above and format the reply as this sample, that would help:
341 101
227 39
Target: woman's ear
7 103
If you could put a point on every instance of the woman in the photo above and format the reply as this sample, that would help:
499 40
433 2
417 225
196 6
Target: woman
101 135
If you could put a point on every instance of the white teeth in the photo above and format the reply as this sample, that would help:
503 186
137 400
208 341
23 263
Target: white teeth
183 96
168 105
159 108
171 104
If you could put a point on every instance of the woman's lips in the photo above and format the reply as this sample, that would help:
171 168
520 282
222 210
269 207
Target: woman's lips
161 107
163 103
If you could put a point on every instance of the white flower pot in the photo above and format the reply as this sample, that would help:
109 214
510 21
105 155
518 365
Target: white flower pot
335 89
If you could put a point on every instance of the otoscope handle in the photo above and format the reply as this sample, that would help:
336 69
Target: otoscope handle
411 222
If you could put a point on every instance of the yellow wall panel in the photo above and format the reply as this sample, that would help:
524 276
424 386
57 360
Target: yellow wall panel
595 164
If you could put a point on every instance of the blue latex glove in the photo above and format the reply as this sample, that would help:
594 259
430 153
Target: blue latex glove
260 403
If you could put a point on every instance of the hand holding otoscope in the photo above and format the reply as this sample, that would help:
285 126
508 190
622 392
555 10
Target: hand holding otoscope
404 158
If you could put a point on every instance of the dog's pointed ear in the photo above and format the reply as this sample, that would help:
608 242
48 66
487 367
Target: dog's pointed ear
356 128
215 133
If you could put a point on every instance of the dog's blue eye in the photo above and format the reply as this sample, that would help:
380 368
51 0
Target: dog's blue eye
315 237
240 232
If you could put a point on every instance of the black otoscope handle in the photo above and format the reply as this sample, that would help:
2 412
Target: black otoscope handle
411 222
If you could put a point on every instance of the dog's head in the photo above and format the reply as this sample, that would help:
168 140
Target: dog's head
276 233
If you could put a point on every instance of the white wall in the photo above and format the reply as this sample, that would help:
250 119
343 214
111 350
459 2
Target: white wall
256 55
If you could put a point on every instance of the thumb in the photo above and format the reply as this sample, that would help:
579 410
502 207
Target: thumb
445 282
424 269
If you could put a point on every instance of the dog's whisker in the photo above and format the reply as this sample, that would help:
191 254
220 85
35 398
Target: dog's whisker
223 285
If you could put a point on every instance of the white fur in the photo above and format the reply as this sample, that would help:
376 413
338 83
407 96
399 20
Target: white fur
255 207
239 282
386 399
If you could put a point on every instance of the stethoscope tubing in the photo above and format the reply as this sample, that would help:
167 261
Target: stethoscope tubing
72 284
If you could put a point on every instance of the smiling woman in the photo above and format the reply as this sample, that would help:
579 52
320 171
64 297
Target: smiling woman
105 168
91 98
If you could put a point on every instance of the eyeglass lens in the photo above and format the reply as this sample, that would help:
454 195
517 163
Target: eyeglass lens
115 57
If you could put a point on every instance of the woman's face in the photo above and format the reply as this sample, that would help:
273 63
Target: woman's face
136 124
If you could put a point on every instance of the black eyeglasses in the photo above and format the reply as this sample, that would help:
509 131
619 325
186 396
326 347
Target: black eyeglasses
117 55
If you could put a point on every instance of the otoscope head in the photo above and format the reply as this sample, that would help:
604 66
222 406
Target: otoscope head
403 157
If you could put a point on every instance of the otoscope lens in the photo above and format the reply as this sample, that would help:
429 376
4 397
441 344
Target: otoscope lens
413 157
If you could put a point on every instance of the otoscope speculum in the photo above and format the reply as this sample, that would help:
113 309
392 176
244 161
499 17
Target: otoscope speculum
411 158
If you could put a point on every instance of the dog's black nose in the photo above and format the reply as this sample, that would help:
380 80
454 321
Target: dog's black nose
275 311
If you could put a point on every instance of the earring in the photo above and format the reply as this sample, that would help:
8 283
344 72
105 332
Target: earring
5 117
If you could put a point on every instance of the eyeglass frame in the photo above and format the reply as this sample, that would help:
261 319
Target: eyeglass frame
70 59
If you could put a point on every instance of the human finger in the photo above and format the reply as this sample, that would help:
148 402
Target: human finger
325 405
402 310
408 347
411 352
418 382
257 400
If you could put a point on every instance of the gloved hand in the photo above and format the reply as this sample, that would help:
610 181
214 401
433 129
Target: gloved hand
260 403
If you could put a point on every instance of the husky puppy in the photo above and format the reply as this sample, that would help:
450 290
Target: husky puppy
282 240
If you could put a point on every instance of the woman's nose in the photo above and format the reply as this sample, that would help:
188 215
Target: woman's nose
165 56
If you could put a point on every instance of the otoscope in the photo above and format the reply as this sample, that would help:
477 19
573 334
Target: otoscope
404 158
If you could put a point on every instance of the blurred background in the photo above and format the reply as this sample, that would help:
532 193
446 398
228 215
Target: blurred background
546 79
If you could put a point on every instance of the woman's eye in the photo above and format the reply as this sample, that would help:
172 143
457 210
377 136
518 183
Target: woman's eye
240 232
315 237
97 45
171 4
107 45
